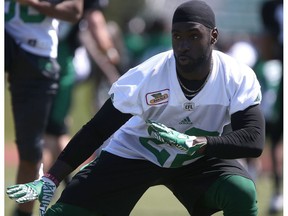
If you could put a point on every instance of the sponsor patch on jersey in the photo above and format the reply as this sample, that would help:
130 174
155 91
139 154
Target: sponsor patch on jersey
158 97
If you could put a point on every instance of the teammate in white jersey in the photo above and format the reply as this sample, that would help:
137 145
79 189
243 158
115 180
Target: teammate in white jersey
192 89
32 72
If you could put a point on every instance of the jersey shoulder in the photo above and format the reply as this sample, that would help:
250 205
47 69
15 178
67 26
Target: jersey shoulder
232 68
151 67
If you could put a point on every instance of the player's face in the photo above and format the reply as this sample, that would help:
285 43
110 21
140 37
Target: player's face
191 44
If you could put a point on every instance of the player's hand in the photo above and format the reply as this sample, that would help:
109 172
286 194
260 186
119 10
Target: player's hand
174 138
42 189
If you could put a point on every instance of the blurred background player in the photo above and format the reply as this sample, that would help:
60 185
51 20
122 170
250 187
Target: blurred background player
264 54
90 33
32 72
103 43
272 75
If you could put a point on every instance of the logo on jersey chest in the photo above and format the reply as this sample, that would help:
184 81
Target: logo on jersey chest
188 106
158 97
186 121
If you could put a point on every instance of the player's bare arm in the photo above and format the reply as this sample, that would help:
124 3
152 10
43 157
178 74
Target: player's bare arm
67 10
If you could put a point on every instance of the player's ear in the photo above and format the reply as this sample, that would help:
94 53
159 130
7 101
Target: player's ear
214 35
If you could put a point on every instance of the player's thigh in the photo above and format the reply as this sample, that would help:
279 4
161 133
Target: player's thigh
193 181
234 194
189 190
110 185
57 123
32 93
31 107
30 117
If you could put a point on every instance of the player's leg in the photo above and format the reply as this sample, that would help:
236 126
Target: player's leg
26 169
201 189
57 132
276 132
109 186
31 96
234 194
276 200
29 129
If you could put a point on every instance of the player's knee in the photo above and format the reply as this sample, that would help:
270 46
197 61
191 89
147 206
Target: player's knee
30 153
242 197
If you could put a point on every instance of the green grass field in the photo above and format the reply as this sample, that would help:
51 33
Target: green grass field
157 201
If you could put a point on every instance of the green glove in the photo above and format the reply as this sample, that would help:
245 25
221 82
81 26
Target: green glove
174 138
42 189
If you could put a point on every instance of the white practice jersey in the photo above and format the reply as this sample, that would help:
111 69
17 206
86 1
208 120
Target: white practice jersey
151 91
35 32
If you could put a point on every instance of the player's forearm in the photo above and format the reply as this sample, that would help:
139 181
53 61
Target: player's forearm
246 143
246 140
98 28
68 10
59 171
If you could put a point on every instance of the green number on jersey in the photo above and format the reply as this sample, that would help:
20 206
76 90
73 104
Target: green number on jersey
24 14
163 155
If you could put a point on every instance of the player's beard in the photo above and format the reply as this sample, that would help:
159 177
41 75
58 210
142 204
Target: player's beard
195 63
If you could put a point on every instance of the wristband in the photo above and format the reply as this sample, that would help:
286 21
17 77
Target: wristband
52 178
